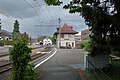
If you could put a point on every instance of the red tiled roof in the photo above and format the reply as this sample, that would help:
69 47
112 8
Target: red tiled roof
66 30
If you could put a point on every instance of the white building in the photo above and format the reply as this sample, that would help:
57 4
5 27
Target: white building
65 37
47 41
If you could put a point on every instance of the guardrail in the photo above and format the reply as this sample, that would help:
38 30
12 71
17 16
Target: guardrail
95 73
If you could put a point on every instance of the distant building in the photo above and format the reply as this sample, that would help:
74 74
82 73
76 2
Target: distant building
77 40
5 35
65 36
47 41
25 36
85 34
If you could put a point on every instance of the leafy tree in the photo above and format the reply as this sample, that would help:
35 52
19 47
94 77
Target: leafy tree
53 2
86 45
53 39
16 33
103 19
20 58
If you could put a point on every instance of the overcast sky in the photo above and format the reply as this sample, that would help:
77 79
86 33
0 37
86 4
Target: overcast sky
36 18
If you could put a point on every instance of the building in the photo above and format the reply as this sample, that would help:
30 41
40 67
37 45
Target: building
25 36
5 35
65 36
77 40
85 34
47 41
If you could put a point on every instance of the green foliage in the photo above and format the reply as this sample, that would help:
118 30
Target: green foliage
5 42
20 57
16 26
16 36
102 19
16 33
2 43
53 39
86 45
53 2
115 53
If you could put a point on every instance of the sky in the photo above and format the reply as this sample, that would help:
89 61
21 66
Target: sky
36 18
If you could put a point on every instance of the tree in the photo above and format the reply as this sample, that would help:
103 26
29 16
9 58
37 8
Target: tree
103 19
16 26
20 58
16 33
53 39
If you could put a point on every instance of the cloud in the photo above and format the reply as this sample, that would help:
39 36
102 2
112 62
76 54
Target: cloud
37 14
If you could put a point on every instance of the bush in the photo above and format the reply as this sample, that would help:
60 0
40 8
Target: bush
116 53
1 43
20 58
86 45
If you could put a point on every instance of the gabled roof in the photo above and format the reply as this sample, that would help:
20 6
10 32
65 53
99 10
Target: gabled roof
65 29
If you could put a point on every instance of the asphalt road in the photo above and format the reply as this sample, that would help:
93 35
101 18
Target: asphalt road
64 65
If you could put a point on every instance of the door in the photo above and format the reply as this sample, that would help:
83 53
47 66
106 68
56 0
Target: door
66 44
72 44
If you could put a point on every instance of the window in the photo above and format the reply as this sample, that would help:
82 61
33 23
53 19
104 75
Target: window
70 35
62 35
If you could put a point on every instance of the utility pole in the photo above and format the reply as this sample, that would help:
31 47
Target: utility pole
0 30
59 39
0 24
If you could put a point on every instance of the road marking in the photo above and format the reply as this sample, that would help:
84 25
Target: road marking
45 59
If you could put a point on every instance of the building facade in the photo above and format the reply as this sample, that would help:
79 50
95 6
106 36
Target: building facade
65 36
77 40
85 34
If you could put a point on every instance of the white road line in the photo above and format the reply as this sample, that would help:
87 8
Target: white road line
45 59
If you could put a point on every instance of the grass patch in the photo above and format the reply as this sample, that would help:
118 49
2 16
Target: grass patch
5 42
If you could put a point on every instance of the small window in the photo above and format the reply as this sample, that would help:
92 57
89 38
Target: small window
62 35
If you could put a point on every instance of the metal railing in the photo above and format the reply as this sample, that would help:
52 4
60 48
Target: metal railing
95 73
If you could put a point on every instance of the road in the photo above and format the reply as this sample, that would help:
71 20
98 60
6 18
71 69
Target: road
64 65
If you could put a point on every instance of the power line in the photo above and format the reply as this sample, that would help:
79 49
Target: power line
9 10
4 13
41 9
48 11
33 9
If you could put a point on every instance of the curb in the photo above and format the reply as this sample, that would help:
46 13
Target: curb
45 59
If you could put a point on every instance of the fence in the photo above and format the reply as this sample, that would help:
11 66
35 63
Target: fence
95 73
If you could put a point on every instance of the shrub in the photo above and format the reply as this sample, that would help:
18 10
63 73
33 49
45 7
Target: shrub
20 57
86 45
1 43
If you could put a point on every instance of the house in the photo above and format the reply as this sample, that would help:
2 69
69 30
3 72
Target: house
85 34
5 35
25 36
65 36
47 41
